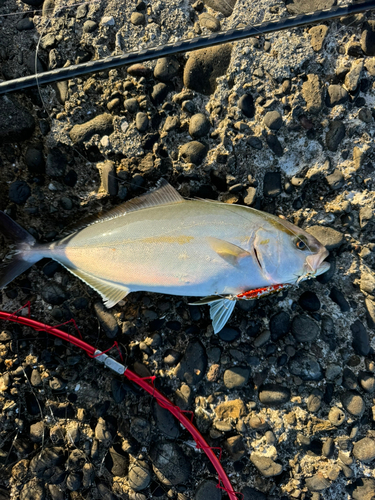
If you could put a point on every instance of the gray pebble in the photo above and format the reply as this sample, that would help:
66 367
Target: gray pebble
273 120
304 329
274 145
131 105
265 465
171 123
336 416
19 192
54 294
117 462
223 6
25 24
255 142
188 107
352 78
170 463
101 124
336 95
317 482
246 105
140 429
365 115
199 126
165 422
107 320
364 450
166 68
314 401
236 376
273 394
141 122
89 26
193 152
159 92
361 339
335 180
193 364
335 135
139 476
368 38
137 18
312 92
207 490
305 366
353 403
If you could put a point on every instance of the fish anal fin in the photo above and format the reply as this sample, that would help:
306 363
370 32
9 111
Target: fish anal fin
231 253
220 312
110 293
163 194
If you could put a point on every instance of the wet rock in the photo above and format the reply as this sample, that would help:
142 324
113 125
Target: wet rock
362 489
166 68
272 184
317 482
352 78
274 144
335 180
339 299
246 105
193 152
312 92
228 334
137 18
139 476
141 122
236 376
317 36
199 126
336 95
361 339
101 124
304 329
224 6
305 366
207 490
209 22
279 325
265 465
353 403
273 120
336 416
19 192
193 364
170 463
53 294
335 135
327 236
368 39
116 462
309 301
273 394
204 66
16 123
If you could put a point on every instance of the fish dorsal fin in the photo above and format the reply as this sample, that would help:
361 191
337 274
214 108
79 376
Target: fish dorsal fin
163 194
111 293
228 251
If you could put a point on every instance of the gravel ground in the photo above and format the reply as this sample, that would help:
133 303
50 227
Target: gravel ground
283 123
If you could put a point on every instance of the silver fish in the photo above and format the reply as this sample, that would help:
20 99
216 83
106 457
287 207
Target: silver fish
160 242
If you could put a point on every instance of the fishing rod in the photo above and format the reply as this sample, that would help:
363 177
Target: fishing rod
170 49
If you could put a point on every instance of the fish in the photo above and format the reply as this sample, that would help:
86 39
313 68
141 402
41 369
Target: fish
160 242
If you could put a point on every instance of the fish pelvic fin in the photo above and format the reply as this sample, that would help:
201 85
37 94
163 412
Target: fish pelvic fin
220 310
111 293
228 251
22 257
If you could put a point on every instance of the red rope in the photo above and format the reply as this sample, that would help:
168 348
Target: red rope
129 374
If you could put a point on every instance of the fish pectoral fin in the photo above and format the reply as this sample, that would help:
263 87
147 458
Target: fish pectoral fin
228 251
220 312
110 293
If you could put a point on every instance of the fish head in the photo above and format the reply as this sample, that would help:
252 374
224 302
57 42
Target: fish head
288 254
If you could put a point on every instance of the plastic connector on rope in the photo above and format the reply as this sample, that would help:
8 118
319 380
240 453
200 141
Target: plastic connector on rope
74 71
224 482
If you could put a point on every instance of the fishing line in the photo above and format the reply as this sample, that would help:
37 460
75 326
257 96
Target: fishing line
169 49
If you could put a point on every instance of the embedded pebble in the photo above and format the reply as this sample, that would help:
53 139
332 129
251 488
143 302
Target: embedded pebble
265 465
246 105
312 92
107 320
304 329
327 236
139 476
193 364
236 376
273 120
193 152
353 403
170 463
273 394
207 490
364 449
101 124
166 68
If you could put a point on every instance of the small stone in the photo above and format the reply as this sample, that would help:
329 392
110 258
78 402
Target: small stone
116 461
317 36
223 6
364 449
140 429
365 115
166 68
207 490
370 66
274 145
265 465
88 475
139 476
193 152
107 320
171 123
137 18
312 92
165 422
361 339
193 364
250 493
32 490
367 283
37 432
335 180
89 26
25 24
53 294
279 325
231 409
304 329
339 299
272 184
305 366
74 481
250 197
367 381
104 431
108 178
159 92
131 105
228 334
255 142
273 120
335 135
368 39
273 394
327 236
370 312
336 416
209 22
308 6
362 489
353 403
314 401
141 122
317 482
336 95
199 126
101 125
246 105
236 377
170 463
352 78
309 301
19 192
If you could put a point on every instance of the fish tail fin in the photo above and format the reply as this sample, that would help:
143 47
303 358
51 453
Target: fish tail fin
22 257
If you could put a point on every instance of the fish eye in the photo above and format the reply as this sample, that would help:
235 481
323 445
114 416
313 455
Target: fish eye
301 245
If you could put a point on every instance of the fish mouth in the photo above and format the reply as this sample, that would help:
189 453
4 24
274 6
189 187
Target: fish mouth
315 264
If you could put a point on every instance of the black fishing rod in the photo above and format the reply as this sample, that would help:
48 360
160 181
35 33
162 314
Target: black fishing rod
169 49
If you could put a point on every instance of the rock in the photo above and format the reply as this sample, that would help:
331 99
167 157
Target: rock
25 24
170 463
74 481
273 394
193 364
367 283
32 490
339 299
137 18
43 465
140 429
370 66
224 6
279 325
228 334
352 78
236 376
53 294
34 159
106 320
327 236
274 144
361 339
171 123
131 105
362 489
233 409
116 462
209 22
353 403
250 196
19 192
56 163
317 36
207 490
314 401
335 180
139 476
328 448
250 493
317 482
141 122
159 92
368 39
307 6
37 432
256 143
193 152
89 26
166 68
364 449
304 329
367 381
101 124
328 332
165 422
336 95
370 312
108 178
305 366
16 123
265 465
235 447
205 66
312 92
335 135
272 184
199 126
104 431
365 115
336 416
309 301
246 105
273 120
